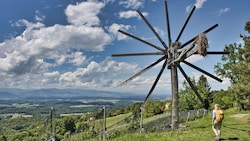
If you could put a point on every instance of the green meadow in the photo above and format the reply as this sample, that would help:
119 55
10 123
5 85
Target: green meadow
236 126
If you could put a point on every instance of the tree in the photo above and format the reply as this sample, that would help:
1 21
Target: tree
4 138
189 101
69 124
205 90
153 108
236 67
225 98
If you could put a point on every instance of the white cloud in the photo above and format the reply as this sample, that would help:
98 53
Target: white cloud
39 17
194 58
84 13
78 59
39 42
29 52
223 11
103 75
27 59
114 30
159 31
134 4
198 4
131 14
188 8
50 78
96 75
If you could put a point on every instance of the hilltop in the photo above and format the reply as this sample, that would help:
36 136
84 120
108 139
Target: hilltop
234 128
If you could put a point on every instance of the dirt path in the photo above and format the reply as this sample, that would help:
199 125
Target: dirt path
239 115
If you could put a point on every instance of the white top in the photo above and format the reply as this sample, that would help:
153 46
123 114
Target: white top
214 114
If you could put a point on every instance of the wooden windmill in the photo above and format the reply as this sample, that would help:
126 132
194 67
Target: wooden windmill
172 55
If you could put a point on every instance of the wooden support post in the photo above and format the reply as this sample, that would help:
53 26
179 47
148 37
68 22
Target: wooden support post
175 109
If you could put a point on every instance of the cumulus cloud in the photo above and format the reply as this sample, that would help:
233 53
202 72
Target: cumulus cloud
77 58
198 4
34 58
194 58
38 47
39 17
39 42
114 30
134 4
223 11
96 75
131 14
84 13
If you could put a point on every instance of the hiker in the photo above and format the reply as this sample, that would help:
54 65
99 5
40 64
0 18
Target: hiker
217 121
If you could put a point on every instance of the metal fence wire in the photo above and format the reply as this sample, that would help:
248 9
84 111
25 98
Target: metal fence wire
159 123
164 123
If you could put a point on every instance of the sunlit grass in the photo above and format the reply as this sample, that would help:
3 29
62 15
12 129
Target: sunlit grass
234 128
113 120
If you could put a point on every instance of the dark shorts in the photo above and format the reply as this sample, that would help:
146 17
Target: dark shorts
217 125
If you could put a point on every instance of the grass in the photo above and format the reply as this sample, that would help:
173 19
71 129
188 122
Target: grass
113 120
146 120
234 128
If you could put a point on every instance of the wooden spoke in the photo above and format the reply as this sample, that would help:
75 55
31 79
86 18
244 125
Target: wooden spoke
206 31
132 36
142 71
217 52
152 29
137 54
155 82
203 71
214 52
183 27
191 84
168 24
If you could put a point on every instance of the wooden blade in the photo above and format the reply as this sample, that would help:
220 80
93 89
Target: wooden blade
191 84
205 32
214 52
217 52
168 24
155 82
137 54
183 27
203 71
152 29
142 71
132 36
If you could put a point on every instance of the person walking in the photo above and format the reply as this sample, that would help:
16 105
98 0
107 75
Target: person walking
217 118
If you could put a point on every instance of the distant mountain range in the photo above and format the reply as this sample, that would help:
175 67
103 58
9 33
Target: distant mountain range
12 94
43 94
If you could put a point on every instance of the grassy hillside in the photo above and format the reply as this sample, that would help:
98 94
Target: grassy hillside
236 126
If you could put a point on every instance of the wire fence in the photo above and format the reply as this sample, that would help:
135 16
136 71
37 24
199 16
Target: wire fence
131 124
164 123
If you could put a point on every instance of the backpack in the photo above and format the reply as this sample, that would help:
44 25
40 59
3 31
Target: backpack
219 115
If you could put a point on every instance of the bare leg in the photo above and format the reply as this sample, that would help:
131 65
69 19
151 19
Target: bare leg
219 133
215 131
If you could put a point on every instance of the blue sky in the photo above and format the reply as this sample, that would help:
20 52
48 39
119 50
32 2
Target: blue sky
68 44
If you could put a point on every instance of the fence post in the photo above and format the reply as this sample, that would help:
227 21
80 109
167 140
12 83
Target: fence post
197 114
188 116
204 112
